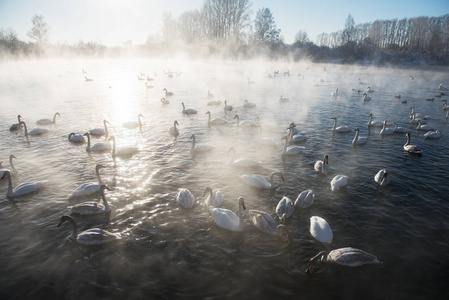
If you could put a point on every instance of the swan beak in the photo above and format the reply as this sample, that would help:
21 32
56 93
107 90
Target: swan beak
282 177
59 224
3 175
243 205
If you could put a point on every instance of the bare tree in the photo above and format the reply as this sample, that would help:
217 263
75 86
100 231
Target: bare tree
349 31
301 37
265 27
39 32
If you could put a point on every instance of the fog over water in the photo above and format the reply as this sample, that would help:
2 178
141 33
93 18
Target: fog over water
170 252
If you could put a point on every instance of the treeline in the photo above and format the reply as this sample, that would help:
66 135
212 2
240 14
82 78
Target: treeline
225 29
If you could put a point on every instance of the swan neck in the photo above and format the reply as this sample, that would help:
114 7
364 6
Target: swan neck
272 177
97 172
193 143
105 202
88 142
12 165
335 124
240 217
9 183
74 229
356 137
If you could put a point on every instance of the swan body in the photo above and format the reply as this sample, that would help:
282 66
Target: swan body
322 166
398 129
247 104
214 102
382 177
245 123
365 97
21 189
374 124
132 125
174 131
369 90
165 101
358 140
338 182
92 207
76 138
305 199
35 131
283 99
215 198
200 147
341 129
243 162
291 150
189 111
215 121
98 147
257 181
386 131
424 127
412 149
167 93
361 82
227 107
90 188
348 256
100 131
432 135
93 236
320 230
17 126
335 93
185 198
265 141
227 219
124 151
48 121
285 208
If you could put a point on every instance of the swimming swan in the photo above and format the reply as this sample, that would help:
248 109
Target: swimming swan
167 93
320 230
424 127
88 188
349 256
100 131
17 126
244 124
295 138
189 111
305 199
35 131
98 147
21 189
215 121
92 207
358 140
432 135
341 129
185 198
338 182
227 219
398 129
265 223
215 198
291 150
174 131
132 125
386 131
382 177
227 107
247 104
164 101
374 124
285 208
48 121
243 162
412 149
76 138
124 151
257 181
200 147
322 165
93 236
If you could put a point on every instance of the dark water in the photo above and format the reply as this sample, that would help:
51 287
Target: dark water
169 252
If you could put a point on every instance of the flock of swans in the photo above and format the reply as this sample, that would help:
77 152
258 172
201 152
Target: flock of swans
225 218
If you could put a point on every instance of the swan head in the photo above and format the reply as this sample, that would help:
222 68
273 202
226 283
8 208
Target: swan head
164 90
242 202
111 138
12 156
319 257
357 129
87 134
19 117
163 100
98 167
334 118
231 150
326 159
192 136
104 187
207 190
57 114
140 116
284 234
208 112
105 122
176 122
66 218
236 116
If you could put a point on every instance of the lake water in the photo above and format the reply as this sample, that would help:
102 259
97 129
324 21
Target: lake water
169 252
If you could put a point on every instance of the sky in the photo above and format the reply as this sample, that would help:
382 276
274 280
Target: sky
113 22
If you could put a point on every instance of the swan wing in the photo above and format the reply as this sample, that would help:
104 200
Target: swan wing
263 221
88 208
225 218
285 207
339 181
305 199
26 188
351 257
96 236
85 189
256 180
245 162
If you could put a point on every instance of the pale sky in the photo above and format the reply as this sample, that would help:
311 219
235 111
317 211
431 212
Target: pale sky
112 22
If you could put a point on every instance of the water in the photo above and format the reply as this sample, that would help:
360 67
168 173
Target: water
169 252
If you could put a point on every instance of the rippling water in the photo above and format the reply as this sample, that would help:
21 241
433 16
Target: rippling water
170 252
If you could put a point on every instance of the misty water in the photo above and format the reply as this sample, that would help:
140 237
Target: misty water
170 252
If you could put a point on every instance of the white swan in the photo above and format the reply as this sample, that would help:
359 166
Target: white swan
215 121
361 82
415 120
132 125
374 124
335 93
244 123
165 101
227 107
424 127
291 150
21 189
185 198
292 127
215 198
418 115
93 236
305 199
386 131
100 131
285 208
350 257
35 131
88 188
174 131
243 162
398 129
442 88
92 207
283 99
98 147
148 86
432 135
48 121
189 111
322 166
17 126
341 129
123 151
358 140
227 219
338 182
257 181
247 104
76 138
320 230
167 93
369 90
214 102
382 177
265 223
295 138
412 149
88 79
209 94
265 141
200 147
365 97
